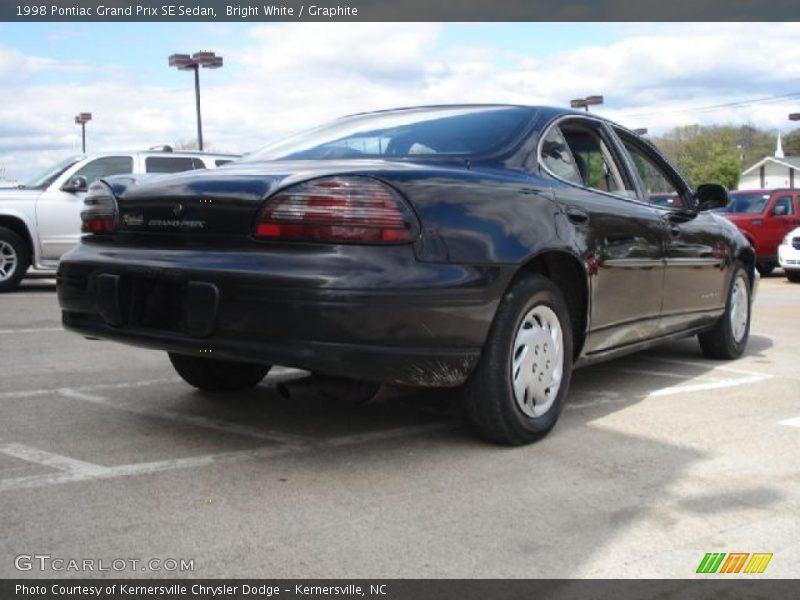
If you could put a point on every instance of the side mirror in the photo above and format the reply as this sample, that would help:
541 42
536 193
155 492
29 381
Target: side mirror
75 184
710 196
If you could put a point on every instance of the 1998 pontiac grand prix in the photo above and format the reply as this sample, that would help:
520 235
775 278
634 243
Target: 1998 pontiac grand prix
495 247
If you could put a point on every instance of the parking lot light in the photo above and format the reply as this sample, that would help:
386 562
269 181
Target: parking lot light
184 62
640 131
794 116
585 103
81 119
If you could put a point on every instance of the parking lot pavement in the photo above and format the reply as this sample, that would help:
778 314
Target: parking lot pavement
659 458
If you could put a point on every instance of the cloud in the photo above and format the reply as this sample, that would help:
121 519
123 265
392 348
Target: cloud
279 78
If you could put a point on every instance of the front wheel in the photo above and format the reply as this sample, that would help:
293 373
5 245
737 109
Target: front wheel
728 338
793 275
216 375
517 391
764 269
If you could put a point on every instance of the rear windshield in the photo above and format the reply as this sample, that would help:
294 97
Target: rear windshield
408 133
751 204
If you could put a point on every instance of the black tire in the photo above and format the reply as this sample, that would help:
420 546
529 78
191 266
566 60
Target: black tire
216 375
720 342
793 275
11 245
490 403
765 269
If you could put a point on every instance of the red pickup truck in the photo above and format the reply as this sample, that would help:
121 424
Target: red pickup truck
764 217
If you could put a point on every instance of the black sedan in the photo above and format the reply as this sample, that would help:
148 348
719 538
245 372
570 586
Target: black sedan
495 247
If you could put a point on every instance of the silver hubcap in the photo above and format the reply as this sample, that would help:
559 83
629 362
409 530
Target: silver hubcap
8 260
739 308
537 363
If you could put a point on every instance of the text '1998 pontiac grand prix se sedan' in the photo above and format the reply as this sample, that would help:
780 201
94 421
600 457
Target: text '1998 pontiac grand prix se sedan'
495 247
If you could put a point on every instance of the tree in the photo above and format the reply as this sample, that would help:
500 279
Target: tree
711 158
791 143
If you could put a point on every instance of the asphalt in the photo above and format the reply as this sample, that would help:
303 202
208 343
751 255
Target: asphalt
659 458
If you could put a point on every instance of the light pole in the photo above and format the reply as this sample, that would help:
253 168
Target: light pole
794 116
640 131
184 62
81 119
585 103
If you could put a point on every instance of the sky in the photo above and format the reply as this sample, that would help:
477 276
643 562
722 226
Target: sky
279 78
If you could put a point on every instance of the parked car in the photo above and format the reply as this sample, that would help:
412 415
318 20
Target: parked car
789 255
765 217
40 219
494 247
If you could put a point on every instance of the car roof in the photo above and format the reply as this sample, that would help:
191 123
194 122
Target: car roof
546 112
763 191
178 153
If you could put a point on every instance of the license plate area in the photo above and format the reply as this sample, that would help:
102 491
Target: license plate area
154 304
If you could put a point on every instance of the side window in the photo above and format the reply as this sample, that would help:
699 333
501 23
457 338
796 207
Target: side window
594 160
105 167
171 164
198 164
783 206
557 157
660 188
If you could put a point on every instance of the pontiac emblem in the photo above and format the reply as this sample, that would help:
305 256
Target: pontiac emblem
177 208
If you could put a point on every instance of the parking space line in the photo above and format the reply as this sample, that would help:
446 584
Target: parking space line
34 330
98 386
88 472
795 422
714 366
669 374
52 460
700 387
188 419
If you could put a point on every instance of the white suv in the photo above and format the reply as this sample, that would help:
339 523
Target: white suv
789 255
40 220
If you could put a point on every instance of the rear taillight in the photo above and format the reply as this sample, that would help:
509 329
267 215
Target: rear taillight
100 210
338 209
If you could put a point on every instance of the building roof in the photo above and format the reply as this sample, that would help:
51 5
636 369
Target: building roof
790 162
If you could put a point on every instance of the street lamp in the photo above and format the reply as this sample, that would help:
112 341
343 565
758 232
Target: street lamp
81 119
794 117
184 62
640 131
585 103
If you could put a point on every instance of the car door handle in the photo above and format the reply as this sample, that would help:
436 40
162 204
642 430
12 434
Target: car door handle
577 215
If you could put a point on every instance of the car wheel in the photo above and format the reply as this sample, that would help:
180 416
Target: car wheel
765 269
517 390
728 338
793 276
215 375
15 258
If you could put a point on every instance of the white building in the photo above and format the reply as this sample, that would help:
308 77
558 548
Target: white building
772 172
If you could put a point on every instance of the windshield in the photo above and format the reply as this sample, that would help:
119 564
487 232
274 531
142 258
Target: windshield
463 131
45 178
751 204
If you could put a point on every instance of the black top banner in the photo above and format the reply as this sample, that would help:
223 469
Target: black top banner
399 10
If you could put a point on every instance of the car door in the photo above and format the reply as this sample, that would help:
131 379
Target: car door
695 251
779 219
58 212
624 236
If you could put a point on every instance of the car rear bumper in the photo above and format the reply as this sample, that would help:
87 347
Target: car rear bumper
366 313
